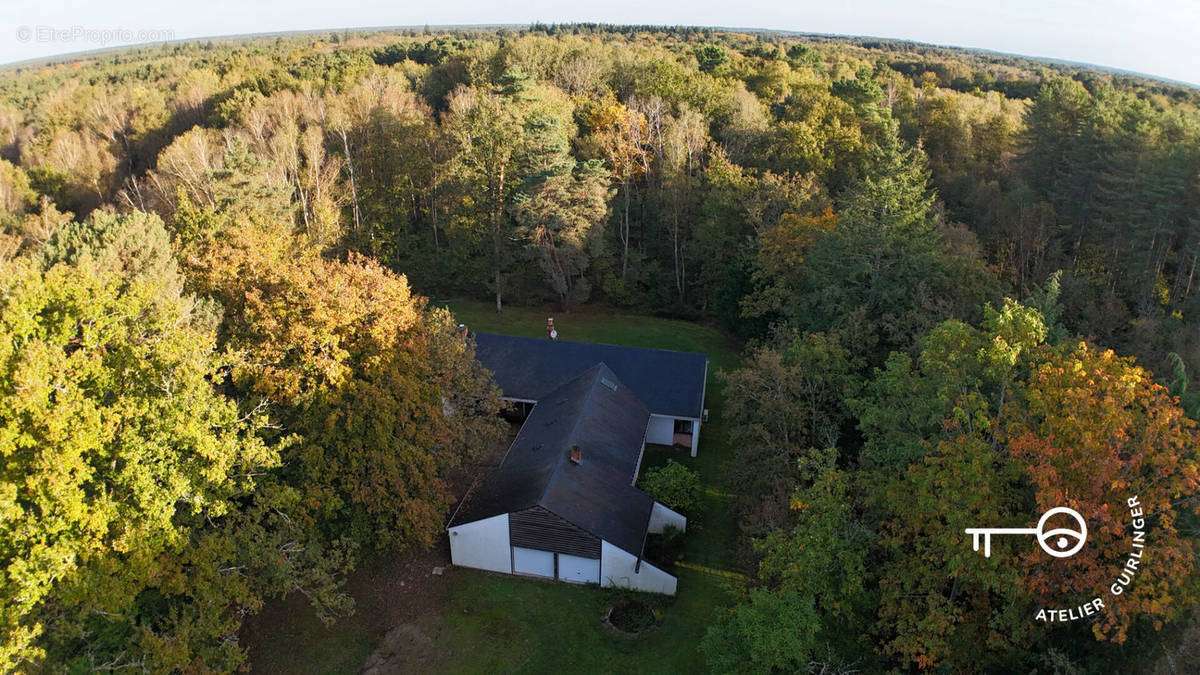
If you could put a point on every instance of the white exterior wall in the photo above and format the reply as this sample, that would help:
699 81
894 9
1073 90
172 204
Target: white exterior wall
661 517
617 569
696 426
661 430
482 544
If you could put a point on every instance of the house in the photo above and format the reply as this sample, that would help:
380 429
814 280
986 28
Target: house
669 383
563 504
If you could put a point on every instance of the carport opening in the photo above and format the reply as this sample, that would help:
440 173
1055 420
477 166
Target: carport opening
515 412
683 433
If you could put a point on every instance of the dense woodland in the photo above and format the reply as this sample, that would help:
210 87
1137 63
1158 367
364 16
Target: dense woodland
967 284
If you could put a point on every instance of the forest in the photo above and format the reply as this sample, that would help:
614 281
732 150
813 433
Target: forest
965 284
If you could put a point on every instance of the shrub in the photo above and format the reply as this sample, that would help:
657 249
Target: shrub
676 486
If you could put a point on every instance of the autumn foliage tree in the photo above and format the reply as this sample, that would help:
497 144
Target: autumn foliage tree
1006 428
842 205
172 460
138 518
379 395
987 426
1095 431
621 136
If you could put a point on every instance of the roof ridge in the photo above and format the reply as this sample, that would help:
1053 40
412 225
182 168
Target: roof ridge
560 462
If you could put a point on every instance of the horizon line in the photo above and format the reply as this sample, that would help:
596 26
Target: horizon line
52 59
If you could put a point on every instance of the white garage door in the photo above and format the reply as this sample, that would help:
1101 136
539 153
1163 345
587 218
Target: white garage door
579 570
531 561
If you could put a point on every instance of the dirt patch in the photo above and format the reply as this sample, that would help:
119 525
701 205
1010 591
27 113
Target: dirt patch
403 650
389 591
397 588
392 593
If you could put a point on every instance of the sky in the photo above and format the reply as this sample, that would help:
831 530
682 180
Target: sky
1154 37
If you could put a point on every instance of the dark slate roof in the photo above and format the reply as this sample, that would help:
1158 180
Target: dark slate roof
597 412
669 383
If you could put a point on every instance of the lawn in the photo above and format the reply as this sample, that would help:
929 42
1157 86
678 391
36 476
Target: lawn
491 623
593 325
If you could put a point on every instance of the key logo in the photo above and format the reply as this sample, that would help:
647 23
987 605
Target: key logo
1060 542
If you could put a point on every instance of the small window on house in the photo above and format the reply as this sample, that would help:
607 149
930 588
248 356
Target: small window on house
683 426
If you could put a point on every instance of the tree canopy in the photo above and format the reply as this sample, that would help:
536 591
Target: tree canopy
965 283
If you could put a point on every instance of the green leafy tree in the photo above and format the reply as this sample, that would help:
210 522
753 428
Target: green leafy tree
711 58
502 136
676 486
993 425
560 212
134 247
885 262
127 474
789 402
1178 386
810 608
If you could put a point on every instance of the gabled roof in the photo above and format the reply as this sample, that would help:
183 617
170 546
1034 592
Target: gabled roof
597 412
670 383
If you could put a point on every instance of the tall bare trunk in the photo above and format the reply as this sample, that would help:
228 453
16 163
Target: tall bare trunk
625 231
497 220
675 252
1191 275
353 185
432 200
499 307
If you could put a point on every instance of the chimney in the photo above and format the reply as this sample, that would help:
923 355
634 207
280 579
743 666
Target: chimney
551 333
576 454
462 331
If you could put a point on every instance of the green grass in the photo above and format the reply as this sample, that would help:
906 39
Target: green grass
491 623
514 625
633 330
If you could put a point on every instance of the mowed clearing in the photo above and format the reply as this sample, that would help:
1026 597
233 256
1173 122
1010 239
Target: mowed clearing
409 620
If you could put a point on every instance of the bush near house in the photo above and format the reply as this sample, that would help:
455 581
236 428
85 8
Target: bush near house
676 486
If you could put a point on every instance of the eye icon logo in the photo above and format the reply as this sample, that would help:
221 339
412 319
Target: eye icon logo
1056 542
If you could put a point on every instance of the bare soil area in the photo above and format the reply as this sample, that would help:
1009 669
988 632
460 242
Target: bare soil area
392 594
